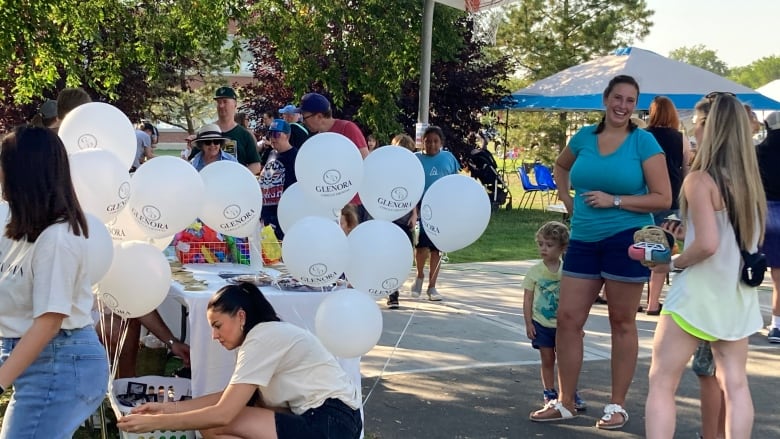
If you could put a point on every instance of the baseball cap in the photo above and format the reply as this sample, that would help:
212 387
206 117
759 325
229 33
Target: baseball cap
772 121
313 103
280 125
225 92
287 109
49 109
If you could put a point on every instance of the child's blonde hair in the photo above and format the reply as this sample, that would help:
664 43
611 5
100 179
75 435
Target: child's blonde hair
555 231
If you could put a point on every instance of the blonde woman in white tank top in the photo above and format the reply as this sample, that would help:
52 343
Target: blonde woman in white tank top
707 301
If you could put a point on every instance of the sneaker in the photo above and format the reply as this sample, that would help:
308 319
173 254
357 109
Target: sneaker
550 395
579 403
417 287
392 301
433 295
774 335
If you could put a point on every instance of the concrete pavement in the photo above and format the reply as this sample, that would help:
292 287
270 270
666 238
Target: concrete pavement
463 367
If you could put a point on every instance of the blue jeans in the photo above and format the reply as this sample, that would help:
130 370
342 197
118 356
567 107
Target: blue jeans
60 389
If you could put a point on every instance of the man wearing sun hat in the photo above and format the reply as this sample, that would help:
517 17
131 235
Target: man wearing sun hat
298 133
210 141
278 173
245 144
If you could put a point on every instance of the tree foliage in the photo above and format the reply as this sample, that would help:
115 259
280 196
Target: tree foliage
757 73
701 56
358 52
543 37
120 52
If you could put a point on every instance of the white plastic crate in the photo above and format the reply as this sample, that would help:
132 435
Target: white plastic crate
181 386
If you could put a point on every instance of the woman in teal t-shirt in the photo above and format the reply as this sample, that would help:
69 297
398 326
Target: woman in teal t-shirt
619 176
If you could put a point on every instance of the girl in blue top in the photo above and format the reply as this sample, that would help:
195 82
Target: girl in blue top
619 176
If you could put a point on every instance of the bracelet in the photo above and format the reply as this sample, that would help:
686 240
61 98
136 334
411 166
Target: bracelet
171 342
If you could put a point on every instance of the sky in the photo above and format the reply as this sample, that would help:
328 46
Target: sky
740 32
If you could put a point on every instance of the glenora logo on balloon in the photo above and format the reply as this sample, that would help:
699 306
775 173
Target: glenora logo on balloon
318 269
331 176
384 202
116 207
430 229
124 190
390 283
238 222
334 189
148 217
232 211
87 141
426 212
109 300
399 193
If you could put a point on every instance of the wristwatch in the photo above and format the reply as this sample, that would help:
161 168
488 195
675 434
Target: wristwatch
171 342
617 201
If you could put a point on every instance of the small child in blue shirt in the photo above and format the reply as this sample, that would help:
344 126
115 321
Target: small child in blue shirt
540 302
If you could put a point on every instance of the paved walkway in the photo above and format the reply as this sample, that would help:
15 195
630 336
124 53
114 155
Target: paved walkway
463 368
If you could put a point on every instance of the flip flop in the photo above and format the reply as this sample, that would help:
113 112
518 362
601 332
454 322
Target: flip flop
609 410
562 413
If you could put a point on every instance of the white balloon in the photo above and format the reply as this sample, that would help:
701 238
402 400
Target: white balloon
167 196
100 249
5 212
101 181
329 168
380 256
124 228
455 211
315 250
138 280
99 125
232 199
295 204
393 182
348 323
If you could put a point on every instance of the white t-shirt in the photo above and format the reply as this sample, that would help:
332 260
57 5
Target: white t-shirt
292 369
48 275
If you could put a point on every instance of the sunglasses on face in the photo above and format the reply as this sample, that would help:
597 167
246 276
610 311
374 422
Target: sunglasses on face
212 142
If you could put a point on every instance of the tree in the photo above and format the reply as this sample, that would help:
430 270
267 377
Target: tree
757 73
120 52
358 52
700 56
543 37
460 89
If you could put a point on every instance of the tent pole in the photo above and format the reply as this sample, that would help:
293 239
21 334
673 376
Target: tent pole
506 140
425 62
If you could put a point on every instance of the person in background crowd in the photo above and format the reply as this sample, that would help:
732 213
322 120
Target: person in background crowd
664 126
49 351
47 115
143 141
637 183
371 142
264 147
317 116
724 210
404 140
348 219
436 164
768 152
298 133
185 153
67 100
278 173
285 383
242 119
242 142
210 142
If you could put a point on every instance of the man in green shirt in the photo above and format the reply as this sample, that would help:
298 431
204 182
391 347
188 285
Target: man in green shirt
242 143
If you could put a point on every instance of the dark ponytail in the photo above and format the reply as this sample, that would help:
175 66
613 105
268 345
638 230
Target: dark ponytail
244 295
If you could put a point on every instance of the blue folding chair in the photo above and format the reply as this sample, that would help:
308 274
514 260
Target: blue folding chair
529 189
545 180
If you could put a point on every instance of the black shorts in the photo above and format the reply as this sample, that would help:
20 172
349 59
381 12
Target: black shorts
423 241
333 419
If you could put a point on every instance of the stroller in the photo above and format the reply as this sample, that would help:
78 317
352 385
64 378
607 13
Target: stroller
484 168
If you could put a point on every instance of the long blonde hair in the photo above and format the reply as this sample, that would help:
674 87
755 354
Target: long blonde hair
727 154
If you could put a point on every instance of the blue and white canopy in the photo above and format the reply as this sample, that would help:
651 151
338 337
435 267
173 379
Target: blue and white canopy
581 87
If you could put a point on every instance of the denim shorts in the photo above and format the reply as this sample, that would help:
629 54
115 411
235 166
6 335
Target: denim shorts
605 259
333 419
60 389
660 217
545 337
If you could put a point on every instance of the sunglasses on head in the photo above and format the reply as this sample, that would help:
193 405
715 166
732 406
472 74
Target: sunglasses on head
715 94
212 142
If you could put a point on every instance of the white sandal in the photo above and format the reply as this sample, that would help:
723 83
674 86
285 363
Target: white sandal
564 413
609 410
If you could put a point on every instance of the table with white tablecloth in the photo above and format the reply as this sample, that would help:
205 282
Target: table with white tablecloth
212 364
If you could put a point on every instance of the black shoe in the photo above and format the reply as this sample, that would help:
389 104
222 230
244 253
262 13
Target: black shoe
392 301
600 300
656 312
